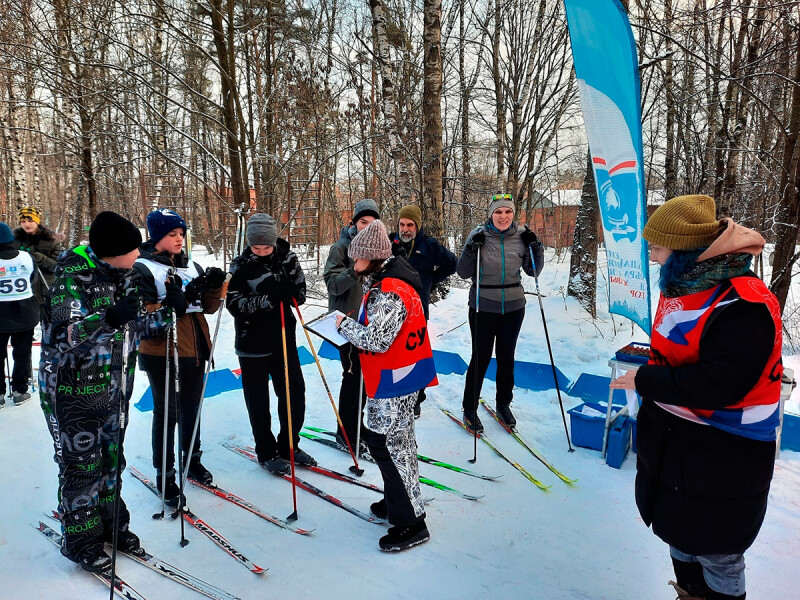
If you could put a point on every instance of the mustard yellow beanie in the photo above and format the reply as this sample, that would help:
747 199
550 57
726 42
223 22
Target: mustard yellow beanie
683 223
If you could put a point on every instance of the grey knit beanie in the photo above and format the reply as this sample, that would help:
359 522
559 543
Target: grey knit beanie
262 230
366 208
371 243
501 201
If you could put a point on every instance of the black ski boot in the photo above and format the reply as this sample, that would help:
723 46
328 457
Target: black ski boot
172 492
378 510
472 421
277 465
401 538
93 559
198 472
303 458
506 416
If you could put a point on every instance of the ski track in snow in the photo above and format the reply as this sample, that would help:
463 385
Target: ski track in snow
572 542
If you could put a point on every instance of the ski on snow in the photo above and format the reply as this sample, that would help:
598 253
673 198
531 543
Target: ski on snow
306 486
239 501
425 459
204 528
332 474
121 588
489 443
169 571
536 454
424 480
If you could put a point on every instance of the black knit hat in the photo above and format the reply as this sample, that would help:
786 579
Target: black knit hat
113 235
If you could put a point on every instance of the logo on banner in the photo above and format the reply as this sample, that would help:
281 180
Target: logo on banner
2 271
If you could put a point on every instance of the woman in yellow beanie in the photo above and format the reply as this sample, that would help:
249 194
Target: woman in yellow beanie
707 426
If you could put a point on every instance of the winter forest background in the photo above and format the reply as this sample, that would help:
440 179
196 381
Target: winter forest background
300 109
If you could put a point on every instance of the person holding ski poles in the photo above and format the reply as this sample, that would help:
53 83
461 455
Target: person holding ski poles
427 255
265 278
91 330
492 257
163 260
397 361
706 428
344 294
19 315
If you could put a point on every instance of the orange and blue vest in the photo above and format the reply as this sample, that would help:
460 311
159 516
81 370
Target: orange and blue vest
675 340
407 366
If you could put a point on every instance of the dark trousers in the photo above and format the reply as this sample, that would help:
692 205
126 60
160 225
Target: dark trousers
87 457
21 342
349 394
191 386
498 332
256 373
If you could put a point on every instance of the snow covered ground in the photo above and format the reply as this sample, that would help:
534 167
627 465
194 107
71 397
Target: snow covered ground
583 541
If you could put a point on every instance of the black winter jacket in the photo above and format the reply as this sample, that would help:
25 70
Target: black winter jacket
19 315
257 317
44 246
344 287
705 490
432 261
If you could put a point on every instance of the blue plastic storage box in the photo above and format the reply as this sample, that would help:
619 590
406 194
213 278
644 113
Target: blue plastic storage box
587 430
618 442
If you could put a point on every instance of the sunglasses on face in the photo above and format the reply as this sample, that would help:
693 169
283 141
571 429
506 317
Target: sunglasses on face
502 197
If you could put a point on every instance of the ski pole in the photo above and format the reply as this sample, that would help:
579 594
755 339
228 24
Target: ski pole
118 470
355 468
293 516
549 348
475 351
177 391
165 429
223 293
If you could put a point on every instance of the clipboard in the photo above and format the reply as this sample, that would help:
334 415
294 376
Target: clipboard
325 327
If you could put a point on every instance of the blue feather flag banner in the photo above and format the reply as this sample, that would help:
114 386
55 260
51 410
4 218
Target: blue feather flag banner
604 55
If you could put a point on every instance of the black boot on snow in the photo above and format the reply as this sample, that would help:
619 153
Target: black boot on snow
94 560
378 510
127 541
172 491
277 465
472 421
506 416
303 458
199 473
401 538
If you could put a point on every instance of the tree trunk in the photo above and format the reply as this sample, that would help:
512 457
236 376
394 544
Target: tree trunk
583 263
432 119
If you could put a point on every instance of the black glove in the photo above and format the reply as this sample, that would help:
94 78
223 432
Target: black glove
214 277
398 249
175 297
528 237
124 311
476 242
283 291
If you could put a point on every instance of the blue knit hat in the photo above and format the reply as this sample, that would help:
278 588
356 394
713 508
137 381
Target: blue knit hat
6 236
160 222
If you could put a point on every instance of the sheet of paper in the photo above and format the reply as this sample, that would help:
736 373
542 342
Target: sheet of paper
325 327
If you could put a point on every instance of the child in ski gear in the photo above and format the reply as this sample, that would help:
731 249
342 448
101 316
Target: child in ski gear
43 244
90 333
162 259
496 314
344 294
397 362
706 429
430 259
266 276
19 314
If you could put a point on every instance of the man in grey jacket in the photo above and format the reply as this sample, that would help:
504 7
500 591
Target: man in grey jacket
344 294
497 310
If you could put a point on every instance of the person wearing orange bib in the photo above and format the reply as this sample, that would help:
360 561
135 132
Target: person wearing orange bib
710 392
391 334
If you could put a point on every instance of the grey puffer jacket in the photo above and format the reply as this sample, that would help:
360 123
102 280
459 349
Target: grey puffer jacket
344 288
502 256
